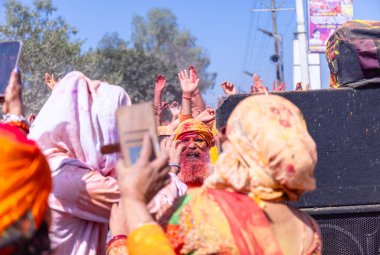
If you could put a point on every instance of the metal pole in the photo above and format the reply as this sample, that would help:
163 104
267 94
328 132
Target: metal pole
301 32
278 78
282 57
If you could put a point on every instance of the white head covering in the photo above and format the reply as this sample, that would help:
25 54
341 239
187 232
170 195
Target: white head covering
77 119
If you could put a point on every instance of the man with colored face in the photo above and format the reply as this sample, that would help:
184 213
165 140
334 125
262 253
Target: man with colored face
197 139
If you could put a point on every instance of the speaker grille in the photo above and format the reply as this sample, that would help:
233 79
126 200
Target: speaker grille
348 234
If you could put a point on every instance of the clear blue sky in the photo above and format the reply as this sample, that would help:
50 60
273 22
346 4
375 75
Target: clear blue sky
226 28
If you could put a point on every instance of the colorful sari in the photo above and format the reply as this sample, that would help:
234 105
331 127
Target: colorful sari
269 156
211 221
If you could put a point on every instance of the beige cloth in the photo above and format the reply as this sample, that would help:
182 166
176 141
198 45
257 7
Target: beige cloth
270 154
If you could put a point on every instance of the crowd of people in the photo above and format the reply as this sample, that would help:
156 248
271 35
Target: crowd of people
207 192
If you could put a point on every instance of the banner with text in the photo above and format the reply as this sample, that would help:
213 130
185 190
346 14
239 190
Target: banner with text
325 16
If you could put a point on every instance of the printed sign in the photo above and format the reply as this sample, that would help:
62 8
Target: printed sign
325 16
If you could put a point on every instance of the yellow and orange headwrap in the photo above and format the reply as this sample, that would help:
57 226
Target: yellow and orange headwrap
164 130
25 178
196 127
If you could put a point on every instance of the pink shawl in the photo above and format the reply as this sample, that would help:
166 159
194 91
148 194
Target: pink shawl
77 119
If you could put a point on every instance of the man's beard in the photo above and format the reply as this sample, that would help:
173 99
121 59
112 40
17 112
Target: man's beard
194 170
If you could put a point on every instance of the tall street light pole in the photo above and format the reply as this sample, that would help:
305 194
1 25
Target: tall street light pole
275 36
274 22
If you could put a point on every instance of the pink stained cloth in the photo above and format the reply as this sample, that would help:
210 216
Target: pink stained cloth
165 198
77 119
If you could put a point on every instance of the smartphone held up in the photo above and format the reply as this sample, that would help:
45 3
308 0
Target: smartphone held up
133 122
9 57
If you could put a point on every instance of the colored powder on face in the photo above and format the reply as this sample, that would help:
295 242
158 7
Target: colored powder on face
194 170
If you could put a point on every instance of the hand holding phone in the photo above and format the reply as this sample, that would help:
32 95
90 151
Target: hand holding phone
133 123
12 98
9 56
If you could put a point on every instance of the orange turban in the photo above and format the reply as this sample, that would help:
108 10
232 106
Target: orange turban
164 130
194 126
25 179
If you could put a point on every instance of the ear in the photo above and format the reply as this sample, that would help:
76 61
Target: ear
222 134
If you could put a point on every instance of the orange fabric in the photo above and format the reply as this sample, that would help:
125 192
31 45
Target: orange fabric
248 223
164 130
149 239
117 247
210 221
194 126
182 118
25 179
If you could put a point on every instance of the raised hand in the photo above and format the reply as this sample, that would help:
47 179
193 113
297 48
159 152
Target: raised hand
31 117
164 105
193 72
12 95
300 87
280 87
160 83
174 109
50 81
173 148
258 86
188 83
228 88
195 111
207 115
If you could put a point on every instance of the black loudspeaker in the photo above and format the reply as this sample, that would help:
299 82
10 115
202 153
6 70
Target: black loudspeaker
350 233
345 125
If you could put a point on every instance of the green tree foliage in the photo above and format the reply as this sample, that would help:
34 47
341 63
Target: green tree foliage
159 35
48 46
132 69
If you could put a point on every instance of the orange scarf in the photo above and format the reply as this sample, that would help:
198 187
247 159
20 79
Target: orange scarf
25 179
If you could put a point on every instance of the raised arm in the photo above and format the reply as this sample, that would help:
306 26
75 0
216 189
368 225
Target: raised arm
188 86
12 106
138 185
50 81
197 98
228 88
174 109
300 87
12 96
258 86
278 88
159 86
